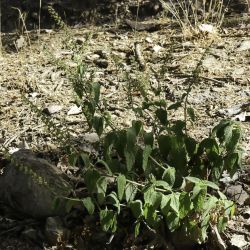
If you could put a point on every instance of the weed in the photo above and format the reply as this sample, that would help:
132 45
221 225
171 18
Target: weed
22 25
165 177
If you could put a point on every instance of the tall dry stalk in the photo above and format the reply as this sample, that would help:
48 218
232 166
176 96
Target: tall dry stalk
23 23
39 17
0 28
191 13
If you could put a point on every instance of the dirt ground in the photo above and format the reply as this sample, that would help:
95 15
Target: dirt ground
36 72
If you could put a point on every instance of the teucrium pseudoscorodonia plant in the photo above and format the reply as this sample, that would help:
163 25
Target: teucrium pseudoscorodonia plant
163 176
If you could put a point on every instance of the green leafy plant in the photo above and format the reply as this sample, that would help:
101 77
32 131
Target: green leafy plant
164 177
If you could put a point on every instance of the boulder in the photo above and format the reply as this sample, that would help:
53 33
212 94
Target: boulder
31 185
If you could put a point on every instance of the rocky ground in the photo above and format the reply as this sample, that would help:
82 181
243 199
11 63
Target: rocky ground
33 67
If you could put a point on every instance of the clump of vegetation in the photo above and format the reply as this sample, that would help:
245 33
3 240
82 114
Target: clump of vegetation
164 177
192 13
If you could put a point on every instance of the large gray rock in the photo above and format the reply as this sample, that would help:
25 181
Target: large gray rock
30 185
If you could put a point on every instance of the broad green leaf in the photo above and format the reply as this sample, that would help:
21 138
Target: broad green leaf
90 179
70 203
191 146
138 126
98 124
186 204
174 202
204 226
163 184
108 219
175 106
130 192
231 163
151 216
178 127
89 111
161 114
160 103
193 179
130 159
233 143
112 199
109 141
101 186
146 104
222 223
136 208
81 69
191 114
208 144
121 184
228 132
73 159
152 197
164 142
178 157
218 129
120 142
183 96
85 159
222 196
107 117
149 139
229 207
137 229
217 168
103 163
173 221
169 176
131 138
89 205
165 204
96 91
208 205
211 184
146 153
199 196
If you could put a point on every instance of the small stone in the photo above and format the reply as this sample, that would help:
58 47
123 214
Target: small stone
37 184
207 28
52 109
102 53
74 110
91 137
55 76
157 48
121 55
238 241
245 45
102 63
149 40
237 193
92 57
80 40
20 42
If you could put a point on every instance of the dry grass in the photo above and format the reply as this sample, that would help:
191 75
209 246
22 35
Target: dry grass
192 13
